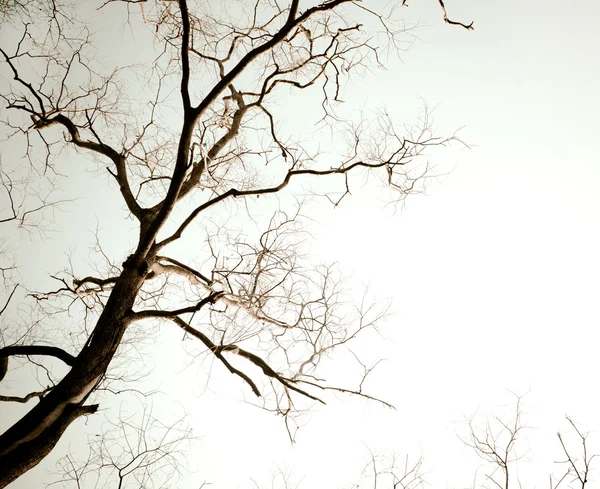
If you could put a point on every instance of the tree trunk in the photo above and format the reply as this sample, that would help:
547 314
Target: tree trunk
29 440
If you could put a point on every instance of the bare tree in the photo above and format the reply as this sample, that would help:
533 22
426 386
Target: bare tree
240 290
578 466
495 442
18 10
383 471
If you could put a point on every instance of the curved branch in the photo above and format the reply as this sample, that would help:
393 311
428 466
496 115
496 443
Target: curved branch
401 154
101 148
291 22
26 398
217 350
16 77
100 282
454 22
51 351
211 299
255 359
23 350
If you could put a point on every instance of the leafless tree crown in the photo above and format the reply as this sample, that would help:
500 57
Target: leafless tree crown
209 136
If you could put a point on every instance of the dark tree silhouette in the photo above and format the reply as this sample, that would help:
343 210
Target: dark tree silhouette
244 295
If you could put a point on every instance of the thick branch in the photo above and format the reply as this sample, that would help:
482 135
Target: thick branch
28 86
186 268
198 169
103 149
185 55
148 313
217 350
290 24
22 350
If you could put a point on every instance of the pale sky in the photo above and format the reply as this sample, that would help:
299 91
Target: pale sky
493 274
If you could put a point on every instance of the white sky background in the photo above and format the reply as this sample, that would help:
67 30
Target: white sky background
493 274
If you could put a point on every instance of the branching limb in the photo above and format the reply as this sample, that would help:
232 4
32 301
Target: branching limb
269 372
453 22
580 471
271 312
198 167
183 267
53 351
216 350
44 117
100 148
132 448
396 159
26 398
211 299
355 392
392 472
82 287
